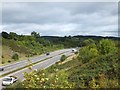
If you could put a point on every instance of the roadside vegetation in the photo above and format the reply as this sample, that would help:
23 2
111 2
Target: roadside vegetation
25 46
63 57
94 66
19 47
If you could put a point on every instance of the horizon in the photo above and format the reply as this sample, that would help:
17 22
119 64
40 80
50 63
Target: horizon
70 35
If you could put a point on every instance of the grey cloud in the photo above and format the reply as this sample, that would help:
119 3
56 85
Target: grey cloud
51 12
56 18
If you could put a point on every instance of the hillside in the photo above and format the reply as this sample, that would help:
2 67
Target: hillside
19 47
94 66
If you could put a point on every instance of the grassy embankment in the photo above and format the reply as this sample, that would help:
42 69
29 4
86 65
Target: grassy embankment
24 50
95 66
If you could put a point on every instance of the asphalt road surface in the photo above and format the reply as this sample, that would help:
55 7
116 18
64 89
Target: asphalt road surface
55 56
23 63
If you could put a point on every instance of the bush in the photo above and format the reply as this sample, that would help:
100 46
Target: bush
76 52
87 53
41 80
107 46
63 57
3 62
15 56
88 42
2 56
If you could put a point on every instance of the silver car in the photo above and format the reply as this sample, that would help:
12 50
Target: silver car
8 80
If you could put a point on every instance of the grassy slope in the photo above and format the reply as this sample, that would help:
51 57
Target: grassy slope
92 69
7 53
24 49
78 71
102 69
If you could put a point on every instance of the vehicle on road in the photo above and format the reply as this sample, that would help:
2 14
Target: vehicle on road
47 53
74 50
1 69
8 80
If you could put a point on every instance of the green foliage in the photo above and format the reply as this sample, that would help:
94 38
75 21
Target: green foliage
41 80
5 35
97 70
60 80
102 81
15 56
88 42
76 52
63 57
13 36
93 83
35 34
100 71
17 85
33 80
27 45
96 65
107 46
87 53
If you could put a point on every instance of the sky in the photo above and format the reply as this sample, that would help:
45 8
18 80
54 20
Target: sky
61 18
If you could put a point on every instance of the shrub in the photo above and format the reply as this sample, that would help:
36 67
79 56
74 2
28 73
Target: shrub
93 84
15 56
107 46
41 80
88 42
63 57
76 52
3 62
87 53
2 56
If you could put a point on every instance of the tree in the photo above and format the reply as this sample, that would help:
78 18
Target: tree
87 53
88 42
13 35
5 35
35 34
107 46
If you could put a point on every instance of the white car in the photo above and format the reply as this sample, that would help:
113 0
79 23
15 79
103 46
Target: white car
9 80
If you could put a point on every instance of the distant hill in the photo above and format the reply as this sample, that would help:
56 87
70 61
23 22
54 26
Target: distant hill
80 36
73 41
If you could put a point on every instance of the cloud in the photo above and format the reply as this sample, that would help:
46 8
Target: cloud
61 19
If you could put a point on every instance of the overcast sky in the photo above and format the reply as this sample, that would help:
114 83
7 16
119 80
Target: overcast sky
60 19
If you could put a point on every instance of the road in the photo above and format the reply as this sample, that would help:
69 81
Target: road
55 56
23 63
